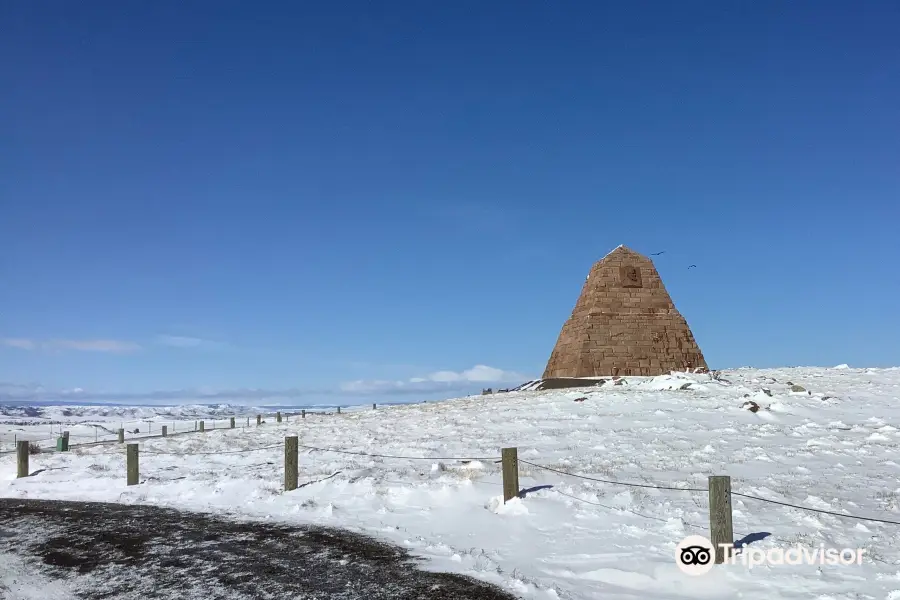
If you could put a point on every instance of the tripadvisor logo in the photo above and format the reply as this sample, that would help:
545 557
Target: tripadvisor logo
694 555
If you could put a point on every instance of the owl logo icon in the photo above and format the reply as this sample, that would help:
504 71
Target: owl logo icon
694 555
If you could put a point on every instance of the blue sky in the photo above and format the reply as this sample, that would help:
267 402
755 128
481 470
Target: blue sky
323 199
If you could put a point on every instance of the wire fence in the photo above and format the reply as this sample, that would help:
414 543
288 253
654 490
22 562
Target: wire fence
107 431
493 459
545 468
706 490
637 485
429 458
243 451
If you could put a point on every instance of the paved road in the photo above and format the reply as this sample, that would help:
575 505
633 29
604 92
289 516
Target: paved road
92 551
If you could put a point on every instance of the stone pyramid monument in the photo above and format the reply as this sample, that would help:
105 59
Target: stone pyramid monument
624 323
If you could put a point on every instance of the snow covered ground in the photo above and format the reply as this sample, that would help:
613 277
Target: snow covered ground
834 447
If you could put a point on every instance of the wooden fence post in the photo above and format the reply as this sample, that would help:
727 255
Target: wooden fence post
720 526
278 417
291 458
202 426
510 457
131 456
165 430
232 422
303 414
121 435
339 410
259 419
22 459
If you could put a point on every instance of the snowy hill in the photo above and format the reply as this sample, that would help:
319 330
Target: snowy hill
42 423
77 413
826 439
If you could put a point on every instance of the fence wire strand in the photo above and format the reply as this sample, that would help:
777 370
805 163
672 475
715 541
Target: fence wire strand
497 459
628 510
733 493
244 451
816 510
625 483
468 458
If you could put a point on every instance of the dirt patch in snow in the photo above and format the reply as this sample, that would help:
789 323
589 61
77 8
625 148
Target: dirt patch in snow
102 551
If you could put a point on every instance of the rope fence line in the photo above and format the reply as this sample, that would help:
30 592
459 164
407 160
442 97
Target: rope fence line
104 435
318 449
538 466
611 508
244 451
733 493
595 479
624 483
544 467
352 452
719 489
628 510
816 510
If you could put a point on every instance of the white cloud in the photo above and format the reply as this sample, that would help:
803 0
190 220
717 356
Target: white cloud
184 341
486 373
362 386
21 343
436 381
439 383
113 346
444 376
179 341
28 393
476 373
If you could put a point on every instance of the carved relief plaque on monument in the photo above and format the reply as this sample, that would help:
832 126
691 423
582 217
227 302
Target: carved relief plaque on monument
630 277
